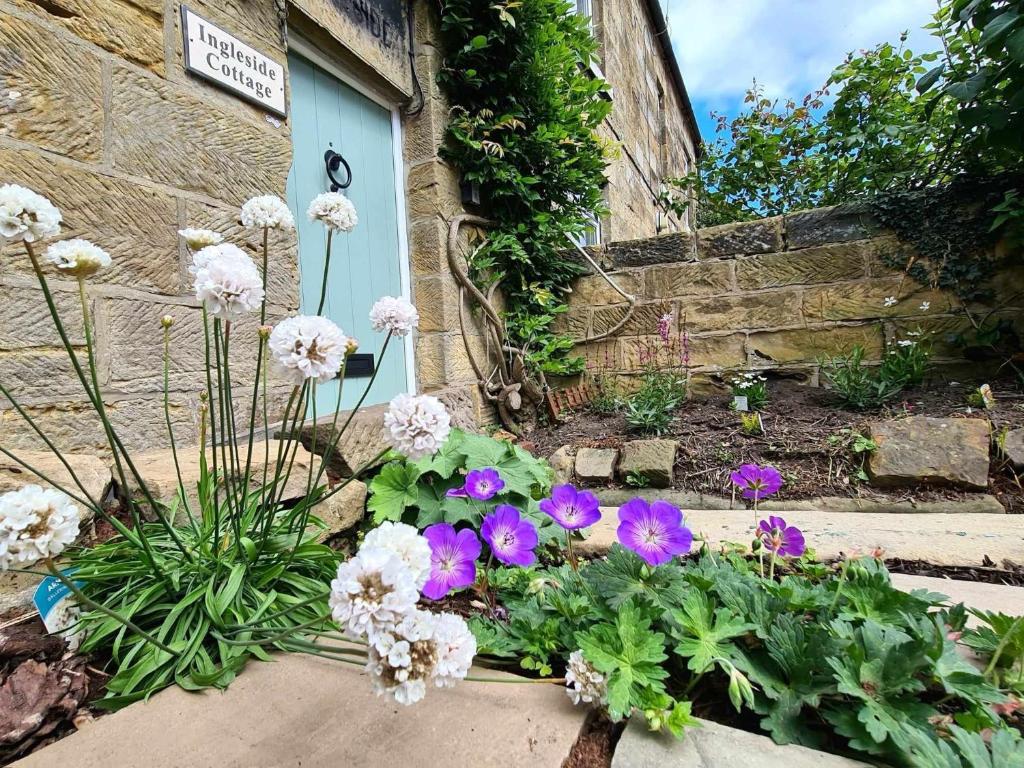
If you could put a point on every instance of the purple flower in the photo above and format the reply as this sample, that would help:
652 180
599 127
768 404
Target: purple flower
782 539
654 531
457 493
757 482
484 484
510 536
453 557
571 509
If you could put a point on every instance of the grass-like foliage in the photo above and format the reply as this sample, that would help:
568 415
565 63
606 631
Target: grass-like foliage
832 658
863 387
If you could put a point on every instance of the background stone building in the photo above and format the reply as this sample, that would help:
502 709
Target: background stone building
99 112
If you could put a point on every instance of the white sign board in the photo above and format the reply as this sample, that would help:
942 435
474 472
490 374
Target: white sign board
226 61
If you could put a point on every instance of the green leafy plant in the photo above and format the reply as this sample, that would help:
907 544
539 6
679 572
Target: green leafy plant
753 386
750 423
835 659
637 480
522 128
416 492
862 387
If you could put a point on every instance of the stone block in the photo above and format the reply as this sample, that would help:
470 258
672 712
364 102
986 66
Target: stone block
575 323
652 459
738 311
715 746
136 224
809 344
343 510
425 132
437 300
594 290
1013 448
428 238
40 375
25 320
92 472
433 189
131 29
458 368
167 134
837 224
704 351
462 406
922 450
283 277
51 91
562 462
697 279
745 237
351 447
664 249
430 361
826 264
866 300
644 319
158 473
595 465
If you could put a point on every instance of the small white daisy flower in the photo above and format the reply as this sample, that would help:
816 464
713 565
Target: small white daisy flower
890 301
77 257
334 210
925 306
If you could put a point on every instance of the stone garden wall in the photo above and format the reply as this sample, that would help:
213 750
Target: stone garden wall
779 293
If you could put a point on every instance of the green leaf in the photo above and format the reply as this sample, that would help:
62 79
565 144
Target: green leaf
701 634
392 491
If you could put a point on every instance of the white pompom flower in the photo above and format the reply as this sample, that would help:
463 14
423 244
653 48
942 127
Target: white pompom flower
267 212
583 682
77 257
456 648
394 314
406 542
26 215
35 524
403 660
335 211
308 347
197 239
226 280
372 593
418 424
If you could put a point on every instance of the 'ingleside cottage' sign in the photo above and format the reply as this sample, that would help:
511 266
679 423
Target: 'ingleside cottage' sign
226 61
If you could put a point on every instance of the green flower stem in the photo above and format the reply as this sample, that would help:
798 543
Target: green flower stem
327 268
215 533
286 634
771 568
47 479
223 396
170 429
267 491
1002 646
292 443
81 597
842 583
355 475
279 614
572 555
516 680
332 436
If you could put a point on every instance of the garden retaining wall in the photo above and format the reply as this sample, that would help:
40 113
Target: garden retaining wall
777 293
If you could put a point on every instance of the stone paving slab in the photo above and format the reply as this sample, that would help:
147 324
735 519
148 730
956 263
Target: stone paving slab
936 538
974 594
715 746
310 712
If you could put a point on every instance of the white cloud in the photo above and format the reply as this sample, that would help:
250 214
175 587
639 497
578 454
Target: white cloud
790 46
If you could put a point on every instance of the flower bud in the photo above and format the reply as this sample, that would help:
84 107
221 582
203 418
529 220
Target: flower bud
755 546
167 321
203 396
264 331
351 346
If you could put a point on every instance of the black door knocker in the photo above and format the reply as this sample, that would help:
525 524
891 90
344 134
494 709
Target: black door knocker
334 161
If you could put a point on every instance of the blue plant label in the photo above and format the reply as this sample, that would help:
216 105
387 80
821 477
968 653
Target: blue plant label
57 607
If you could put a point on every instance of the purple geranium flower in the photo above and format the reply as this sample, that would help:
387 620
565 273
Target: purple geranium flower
654 531
782 539
510 536
481 484
757 482
571 509
453 557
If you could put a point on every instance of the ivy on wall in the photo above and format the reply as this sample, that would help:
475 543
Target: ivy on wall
524 114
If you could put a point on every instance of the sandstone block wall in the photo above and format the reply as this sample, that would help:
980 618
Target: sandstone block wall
780 294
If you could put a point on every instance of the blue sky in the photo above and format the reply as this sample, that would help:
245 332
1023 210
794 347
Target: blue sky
790 46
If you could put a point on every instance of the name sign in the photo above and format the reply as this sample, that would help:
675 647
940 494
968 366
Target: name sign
224 60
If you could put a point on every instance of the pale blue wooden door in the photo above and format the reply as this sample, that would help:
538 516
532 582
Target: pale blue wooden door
327 114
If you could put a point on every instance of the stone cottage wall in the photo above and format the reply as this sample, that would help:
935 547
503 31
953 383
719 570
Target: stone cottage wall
778 293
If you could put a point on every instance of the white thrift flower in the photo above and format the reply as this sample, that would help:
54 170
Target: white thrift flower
890 301
226 280
419 424
196 239
404 659
373 591
406 542
267 211
79 258
583 682
308 347
334 210
394 314
26 215
35 524
456 648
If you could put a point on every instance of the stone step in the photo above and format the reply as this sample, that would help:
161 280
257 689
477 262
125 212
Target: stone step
998 598
307 711
936 538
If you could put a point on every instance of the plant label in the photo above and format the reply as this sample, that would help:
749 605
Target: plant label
57 608
739 403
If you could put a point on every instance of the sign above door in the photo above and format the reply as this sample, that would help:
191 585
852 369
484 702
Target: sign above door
221 58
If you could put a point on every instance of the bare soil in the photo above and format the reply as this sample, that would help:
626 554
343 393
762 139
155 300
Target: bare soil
806 436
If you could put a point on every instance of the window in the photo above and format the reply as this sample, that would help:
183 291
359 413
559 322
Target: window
586 8
591 235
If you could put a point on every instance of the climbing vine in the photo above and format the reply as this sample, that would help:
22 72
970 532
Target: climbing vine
524 114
